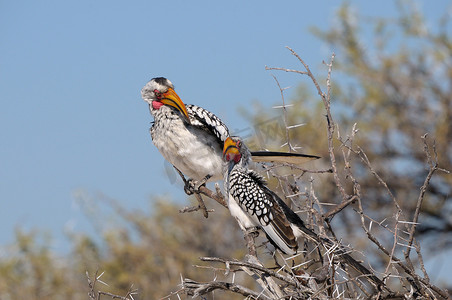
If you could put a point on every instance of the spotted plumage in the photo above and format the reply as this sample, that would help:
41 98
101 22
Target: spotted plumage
245 189
207 120
253 204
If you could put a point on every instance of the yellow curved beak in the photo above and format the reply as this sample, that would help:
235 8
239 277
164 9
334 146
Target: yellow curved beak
172 99
230 147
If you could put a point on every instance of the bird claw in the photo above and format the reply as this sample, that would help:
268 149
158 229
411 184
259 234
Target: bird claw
253 231
192 186
202 181
250 234
189 187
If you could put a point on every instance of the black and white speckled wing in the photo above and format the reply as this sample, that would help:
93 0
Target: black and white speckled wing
247 189
203 118
252 203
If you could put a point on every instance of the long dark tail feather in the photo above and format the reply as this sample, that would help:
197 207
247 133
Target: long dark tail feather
282 157
345 257
285 232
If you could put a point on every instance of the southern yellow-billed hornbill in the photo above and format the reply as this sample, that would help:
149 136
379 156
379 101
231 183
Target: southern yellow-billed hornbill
253 205
190 137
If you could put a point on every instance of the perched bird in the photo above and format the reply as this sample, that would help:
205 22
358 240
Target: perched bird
190 137
253 204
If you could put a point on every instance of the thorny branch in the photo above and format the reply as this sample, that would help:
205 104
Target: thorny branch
197 289
298 276
217 196
285 114
326 98
93 294
433 168
393 260
228 262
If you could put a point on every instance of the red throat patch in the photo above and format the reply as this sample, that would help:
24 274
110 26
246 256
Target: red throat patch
157 104
235 157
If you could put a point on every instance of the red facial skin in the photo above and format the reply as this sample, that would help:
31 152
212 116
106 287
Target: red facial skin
238 156
157 104
232 156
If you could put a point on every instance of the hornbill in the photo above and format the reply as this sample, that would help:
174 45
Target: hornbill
253 205
191 138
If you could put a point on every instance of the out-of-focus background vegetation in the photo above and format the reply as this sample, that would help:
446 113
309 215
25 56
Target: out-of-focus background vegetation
396 87
394 81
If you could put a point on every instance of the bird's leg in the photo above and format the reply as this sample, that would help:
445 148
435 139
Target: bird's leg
198 184
250 234
189 186
197 193
253 231
189 190
192 187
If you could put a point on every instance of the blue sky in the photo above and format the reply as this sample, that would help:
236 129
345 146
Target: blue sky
72 117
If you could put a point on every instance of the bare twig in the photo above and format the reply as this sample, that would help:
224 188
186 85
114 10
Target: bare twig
197 289
326 98
281 90
217 196
286 70
433 168
268 284
339 208
188 209
249 236
96 295
286 279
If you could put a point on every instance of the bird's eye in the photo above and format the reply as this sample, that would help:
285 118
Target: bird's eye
239 144
158 94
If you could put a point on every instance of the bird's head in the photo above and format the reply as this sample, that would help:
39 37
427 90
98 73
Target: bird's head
231 150
235 151
159 91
